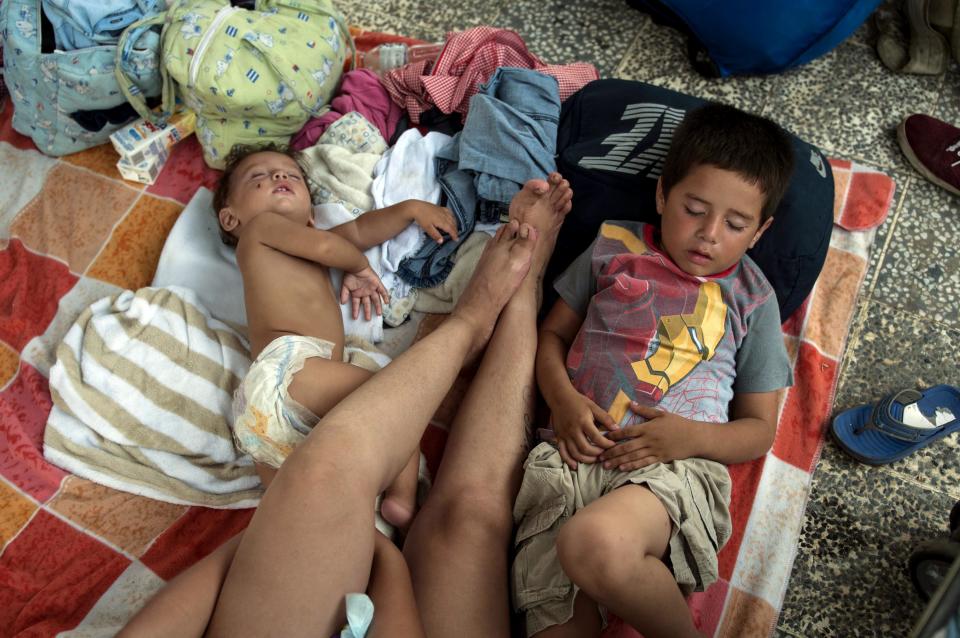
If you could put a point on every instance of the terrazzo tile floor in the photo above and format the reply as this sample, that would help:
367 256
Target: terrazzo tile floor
862 523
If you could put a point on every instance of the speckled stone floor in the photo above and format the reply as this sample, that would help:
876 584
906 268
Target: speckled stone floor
861 523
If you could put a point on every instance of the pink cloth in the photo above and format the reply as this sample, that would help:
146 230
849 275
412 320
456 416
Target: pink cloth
360 91
467 60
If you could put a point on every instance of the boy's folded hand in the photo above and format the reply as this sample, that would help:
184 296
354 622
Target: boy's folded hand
662 438
577 422
433 219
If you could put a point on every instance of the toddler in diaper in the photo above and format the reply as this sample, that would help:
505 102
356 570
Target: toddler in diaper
296 334
268 422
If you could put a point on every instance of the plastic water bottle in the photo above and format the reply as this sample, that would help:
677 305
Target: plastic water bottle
393 55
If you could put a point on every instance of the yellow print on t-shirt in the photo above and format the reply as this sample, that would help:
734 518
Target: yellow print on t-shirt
683 342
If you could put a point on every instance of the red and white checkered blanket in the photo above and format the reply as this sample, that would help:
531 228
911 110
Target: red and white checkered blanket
78 556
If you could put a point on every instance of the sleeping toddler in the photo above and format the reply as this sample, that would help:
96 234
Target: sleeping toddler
301 367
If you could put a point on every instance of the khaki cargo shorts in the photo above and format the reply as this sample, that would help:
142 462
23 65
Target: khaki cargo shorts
695 493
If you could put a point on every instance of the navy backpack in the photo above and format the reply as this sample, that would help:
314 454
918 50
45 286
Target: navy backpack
743 37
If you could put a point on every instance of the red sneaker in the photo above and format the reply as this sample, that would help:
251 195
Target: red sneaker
933 148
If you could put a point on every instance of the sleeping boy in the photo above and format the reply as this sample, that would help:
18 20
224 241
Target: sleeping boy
660 363
295 326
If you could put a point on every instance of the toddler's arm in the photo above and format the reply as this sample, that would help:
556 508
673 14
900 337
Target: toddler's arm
574 416
377 226
320 246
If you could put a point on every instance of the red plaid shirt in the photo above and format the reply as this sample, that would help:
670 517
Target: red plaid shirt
467 60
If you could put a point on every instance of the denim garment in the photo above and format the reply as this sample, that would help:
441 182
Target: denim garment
510 137
78 24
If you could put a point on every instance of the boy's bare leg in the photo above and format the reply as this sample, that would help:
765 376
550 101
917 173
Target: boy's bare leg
586 621
183 606
613 549
400 498
458 544
311 540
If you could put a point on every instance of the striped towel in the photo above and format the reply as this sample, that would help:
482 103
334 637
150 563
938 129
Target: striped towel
142 392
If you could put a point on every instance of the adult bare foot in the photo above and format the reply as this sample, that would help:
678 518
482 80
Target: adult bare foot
501 269
543 204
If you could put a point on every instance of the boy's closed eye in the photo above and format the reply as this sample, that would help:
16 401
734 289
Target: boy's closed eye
737 228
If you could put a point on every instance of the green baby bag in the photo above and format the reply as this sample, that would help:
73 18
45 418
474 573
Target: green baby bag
252 76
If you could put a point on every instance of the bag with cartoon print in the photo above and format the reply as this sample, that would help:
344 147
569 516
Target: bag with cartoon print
252 76
69 100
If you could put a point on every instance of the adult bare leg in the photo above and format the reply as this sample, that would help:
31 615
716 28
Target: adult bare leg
311 540
457 547
183 606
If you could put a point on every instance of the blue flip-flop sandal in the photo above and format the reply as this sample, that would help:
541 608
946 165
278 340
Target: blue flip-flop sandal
898 425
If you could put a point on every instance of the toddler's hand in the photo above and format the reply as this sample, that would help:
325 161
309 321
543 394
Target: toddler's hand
433 219
575 420
364 287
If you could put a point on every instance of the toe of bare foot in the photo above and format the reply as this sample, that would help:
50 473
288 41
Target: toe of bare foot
561 195
538 186
527 234
520 240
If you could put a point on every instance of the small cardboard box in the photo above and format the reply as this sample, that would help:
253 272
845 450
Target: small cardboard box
140 140
146 171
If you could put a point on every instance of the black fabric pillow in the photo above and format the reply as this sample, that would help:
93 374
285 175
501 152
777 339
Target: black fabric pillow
612 139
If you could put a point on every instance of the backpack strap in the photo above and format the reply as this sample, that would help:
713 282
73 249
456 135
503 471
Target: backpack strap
700 58
131 35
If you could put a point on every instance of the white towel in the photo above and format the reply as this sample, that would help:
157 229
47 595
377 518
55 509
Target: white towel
406 171
194 257
326 216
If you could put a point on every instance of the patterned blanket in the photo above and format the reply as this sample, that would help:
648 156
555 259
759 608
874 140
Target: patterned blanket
78 557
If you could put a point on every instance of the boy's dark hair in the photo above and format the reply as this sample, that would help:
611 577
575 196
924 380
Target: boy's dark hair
718 135
237 154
